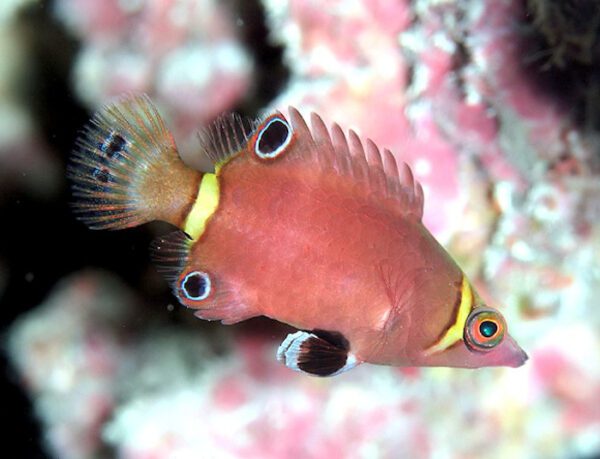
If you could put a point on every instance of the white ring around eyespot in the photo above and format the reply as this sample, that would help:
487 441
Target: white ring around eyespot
206 278
277 151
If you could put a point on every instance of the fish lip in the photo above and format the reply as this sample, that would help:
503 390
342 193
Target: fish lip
520 359
516 355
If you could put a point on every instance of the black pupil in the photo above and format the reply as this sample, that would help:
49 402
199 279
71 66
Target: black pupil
273 137
487 328
194 285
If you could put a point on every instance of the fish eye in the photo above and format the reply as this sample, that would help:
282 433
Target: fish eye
273 138
195 286
484 330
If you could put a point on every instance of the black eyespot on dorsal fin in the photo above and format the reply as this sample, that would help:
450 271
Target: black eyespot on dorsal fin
273 137
225 137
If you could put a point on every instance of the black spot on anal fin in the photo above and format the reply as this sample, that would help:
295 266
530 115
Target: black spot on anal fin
320 357
333 337
318 353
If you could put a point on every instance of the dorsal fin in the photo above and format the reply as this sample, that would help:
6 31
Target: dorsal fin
225 137
366 164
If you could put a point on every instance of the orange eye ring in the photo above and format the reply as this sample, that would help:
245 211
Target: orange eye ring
485 329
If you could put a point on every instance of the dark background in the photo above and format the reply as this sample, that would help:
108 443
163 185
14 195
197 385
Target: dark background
41 237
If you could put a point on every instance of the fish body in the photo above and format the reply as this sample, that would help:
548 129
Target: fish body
302 225
376 262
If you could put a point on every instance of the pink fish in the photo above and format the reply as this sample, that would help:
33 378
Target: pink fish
304 225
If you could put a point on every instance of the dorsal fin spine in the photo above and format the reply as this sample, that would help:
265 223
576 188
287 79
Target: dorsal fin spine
225 138
348 156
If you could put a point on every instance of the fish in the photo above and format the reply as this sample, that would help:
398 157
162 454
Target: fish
306 225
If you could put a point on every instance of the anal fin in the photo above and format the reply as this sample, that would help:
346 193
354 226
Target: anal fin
319 356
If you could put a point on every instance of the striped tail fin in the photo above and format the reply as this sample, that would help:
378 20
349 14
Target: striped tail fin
126 171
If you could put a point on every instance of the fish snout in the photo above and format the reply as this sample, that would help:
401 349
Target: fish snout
510 353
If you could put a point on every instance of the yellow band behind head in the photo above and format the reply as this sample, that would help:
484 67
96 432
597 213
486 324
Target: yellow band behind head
205 205
455 331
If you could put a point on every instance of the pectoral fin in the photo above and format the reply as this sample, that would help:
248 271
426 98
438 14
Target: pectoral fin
316 353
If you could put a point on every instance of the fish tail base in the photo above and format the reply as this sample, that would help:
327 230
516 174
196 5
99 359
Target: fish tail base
126 171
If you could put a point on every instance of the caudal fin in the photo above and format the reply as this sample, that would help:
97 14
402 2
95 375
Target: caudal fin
126 170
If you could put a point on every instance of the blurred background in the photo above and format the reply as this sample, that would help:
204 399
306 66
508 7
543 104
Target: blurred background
494 103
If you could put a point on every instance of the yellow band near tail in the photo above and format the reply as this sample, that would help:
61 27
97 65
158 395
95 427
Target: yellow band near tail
205 205
456 330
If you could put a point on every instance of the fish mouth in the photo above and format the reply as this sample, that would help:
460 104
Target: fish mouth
512 354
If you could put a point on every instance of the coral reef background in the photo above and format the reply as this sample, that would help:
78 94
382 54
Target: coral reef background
495 105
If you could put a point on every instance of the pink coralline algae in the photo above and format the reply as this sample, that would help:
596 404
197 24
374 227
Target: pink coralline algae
68 355
460 91
395 83
535 126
